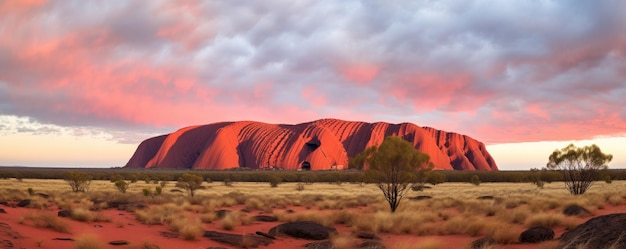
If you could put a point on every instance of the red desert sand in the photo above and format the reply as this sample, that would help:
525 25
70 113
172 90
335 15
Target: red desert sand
124 226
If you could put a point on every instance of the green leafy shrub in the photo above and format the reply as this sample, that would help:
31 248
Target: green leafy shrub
121 185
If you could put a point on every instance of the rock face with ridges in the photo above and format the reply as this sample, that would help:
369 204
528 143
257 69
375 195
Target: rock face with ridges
325 144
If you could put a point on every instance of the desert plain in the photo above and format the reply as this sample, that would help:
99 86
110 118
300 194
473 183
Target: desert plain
447 215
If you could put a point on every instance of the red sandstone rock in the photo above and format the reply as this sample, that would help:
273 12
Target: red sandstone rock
325 143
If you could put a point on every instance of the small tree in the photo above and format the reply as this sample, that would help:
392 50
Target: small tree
394 166
78 181
190 182
475 180
121 185
579 166
274 180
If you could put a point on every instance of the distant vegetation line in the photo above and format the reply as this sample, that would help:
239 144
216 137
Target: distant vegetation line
243 175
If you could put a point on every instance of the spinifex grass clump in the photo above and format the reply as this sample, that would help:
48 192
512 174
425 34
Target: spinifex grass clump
85 215
159 214
46 220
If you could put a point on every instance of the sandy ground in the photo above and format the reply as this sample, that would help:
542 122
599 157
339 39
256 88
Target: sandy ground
124 226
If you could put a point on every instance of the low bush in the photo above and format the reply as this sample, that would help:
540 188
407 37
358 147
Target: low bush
475 180
121 185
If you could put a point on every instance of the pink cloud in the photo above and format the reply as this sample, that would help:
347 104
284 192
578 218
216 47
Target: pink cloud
428 91
19 6
314 97
185 23
361 74
180 63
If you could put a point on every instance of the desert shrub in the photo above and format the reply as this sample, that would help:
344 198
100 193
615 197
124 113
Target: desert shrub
228 182
190 182
162 184
422 244
230 221
208 217
299 186
147 192
615 199
344 242
464 225
475 180
503 233
31 192
121 185
78 181
275 180
254 203
161 214
81 214
47 220
88 241
545 219
189 229
158 190
515 216
607 179
86 215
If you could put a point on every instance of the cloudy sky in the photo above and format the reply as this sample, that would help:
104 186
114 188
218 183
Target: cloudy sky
83 82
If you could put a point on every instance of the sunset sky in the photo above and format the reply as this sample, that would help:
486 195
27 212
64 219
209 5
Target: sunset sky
83 82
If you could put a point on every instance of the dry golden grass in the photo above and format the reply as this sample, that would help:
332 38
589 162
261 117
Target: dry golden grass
614 199
85 215
344 242
515 216
88 241
422 244
160 214
454 208
231 220
254 203
545 219
46 220
502 233
189 229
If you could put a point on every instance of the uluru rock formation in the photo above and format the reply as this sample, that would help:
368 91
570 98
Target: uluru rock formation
325 144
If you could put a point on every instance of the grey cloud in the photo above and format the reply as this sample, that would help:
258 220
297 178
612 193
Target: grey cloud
558 55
